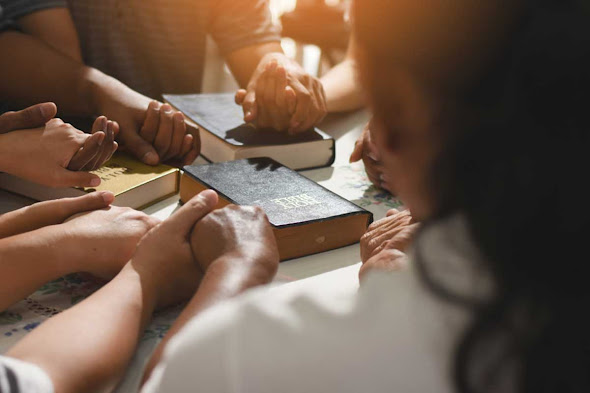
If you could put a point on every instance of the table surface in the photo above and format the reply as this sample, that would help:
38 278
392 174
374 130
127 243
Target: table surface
347 180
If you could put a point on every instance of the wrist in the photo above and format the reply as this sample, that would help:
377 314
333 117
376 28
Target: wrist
253 268
96 89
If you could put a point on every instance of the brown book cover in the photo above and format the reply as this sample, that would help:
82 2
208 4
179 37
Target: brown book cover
306 217
225 136
134 184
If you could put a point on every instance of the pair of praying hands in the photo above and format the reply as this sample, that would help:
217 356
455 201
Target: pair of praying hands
384 245
282 96
41 148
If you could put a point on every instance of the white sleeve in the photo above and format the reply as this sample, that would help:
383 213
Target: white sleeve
17 376
386 337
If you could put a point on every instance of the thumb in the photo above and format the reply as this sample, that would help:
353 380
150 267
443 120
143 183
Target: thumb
31 117
68 178
249 107
357 152
391 212
187 216
240 95
140 148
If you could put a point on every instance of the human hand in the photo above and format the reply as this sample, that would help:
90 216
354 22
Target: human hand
240 232
54 212
103 241
55 149
364 149
384 244
149 130
32 117
282 96
164 255
98 148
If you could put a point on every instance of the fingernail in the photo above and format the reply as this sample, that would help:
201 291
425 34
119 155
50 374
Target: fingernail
372 156
108 197
44 111
209 197
95 182
150 158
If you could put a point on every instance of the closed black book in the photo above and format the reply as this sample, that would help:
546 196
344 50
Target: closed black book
306 217
225 136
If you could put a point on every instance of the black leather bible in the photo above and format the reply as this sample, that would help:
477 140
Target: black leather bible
306 217
225 136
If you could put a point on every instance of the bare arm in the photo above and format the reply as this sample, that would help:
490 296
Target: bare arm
108 325
87 347
243 62
35 73
343 92
235 247
54 27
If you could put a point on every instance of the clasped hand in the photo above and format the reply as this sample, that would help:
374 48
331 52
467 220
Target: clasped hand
282 96
38 147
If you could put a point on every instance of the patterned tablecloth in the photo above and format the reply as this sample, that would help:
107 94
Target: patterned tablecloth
348 181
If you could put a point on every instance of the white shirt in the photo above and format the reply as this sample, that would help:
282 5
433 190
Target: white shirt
391 336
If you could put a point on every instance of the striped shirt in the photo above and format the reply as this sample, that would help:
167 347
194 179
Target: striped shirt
158 46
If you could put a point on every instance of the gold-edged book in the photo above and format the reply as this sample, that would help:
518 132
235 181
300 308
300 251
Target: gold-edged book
134 183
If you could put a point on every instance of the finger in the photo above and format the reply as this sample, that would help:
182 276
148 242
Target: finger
66 178
88 152
139 148
107 148
115 145
281 93
357 152
192 211
274 104
291 98
316 111
240 96
192 148
177 136
150 126
100 124
250 107
303 106
165 130
91 201
263 119
31 117
391 212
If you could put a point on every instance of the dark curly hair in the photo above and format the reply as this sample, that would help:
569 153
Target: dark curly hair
517 168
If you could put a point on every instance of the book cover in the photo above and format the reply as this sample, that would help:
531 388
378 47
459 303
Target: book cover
219 116
134 184
307 218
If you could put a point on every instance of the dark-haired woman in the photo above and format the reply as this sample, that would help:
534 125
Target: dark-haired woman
480 116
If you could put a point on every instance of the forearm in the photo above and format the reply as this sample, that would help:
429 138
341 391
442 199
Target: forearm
343 92
28 261
35 73
87 348
243 62
226 278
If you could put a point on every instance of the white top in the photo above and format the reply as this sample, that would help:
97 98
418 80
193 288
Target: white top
21 377
393 335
